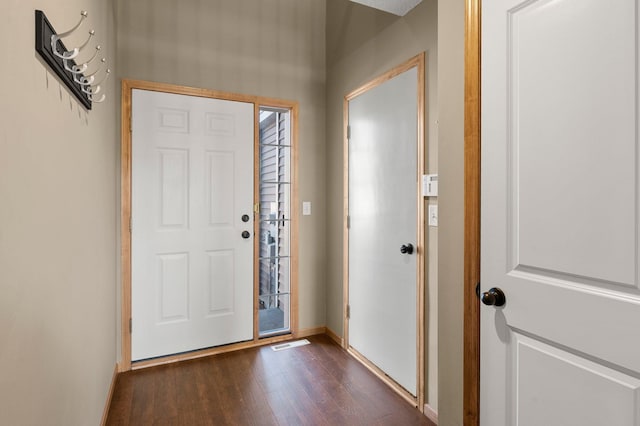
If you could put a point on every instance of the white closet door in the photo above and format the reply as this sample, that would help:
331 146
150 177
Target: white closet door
383 217
192 181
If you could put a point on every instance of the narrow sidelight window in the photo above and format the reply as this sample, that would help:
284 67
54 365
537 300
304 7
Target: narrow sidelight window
275 221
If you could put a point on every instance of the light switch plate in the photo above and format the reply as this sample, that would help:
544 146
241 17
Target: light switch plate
433 215
306 208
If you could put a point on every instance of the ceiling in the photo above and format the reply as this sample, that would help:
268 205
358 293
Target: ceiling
397 7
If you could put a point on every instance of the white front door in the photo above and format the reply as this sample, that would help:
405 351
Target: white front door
383 152
560 206
192 183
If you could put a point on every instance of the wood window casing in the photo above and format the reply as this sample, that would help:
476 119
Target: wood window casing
275 173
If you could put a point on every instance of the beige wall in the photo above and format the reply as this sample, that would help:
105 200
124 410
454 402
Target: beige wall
362 43
59 170
57 228
272 48
451 187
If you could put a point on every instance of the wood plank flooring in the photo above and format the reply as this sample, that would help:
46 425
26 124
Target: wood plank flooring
316 384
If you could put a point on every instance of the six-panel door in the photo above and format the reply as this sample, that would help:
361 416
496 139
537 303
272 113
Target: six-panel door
192 181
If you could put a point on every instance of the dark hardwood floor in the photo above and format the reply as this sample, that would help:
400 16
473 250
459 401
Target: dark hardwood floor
316 384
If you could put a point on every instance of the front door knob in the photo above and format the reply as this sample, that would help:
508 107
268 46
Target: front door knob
494 297
406 249
245 234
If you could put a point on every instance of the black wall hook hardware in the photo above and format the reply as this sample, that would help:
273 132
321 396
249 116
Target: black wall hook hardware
44 31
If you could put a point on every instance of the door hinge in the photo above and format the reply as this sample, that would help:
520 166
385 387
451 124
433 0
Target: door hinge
348 311
348 132
478 290
348 221
130 326
129 224
130 122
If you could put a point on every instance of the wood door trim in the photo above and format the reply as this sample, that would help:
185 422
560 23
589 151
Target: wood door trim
293 265
256 226
125 226
421 238
128 86
418 62
472 144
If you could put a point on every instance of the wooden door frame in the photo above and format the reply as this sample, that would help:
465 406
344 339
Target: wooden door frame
417 62
128 86
472 144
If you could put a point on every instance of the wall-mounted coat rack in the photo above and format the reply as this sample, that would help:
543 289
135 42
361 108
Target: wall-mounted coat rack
80 77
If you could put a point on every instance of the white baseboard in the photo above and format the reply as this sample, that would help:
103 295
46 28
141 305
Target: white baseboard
430 413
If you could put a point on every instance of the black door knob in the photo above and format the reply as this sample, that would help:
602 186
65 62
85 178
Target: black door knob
245 218
494 297
245 234
406 249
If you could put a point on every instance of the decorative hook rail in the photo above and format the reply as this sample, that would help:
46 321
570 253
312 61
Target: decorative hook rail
65 64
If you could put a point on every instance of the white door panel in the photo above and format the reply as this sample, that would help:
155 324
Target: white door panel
192 180
382 210
583 392
560 213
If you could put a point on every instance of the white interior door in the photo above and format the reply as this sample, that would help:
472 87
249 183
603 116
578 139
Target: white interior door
382 218
192 181
560 213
